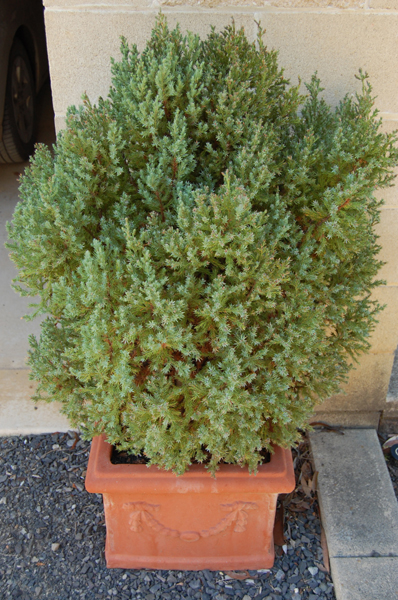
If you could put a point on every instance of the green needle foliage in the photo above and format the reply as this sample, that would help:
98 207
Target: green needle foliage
203 244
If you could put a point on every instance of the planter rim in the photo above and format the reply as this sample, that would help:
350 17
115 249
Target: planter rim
277 476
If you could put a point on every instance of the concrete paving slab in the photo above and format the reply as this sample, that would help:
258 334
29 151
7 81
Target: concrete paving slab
365 578
357 500
359 514
18 414
14 330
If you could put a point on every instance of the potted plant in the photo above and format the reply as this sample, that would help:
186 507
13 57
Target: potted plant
203 244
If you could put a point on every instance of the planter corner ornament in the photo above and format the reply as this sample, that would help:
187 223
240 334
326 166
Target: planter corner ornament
156 520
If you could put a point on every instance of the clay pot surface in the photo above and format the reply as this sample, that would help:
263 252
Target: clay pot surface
156 520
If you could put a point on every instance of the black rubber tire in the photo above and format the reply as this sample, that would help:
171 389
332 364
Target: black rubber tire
19 117
394 451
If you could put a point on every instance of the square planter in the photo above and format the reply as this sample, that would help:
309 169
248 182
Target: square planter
157 520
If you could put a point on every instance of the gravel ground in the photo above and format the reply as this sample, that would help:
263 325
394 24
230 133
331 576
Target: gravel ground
52 537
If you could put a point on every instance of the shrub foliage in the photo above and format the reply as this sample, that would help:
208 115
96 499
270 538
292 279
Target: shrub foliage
203 245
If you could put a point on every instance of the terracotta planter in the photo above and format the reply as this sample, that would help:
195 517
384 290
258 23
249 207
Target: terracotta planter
157 520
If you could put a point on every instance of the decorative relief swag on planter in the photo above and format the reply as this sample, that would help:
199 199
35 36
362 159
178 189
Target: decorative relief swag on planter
230 518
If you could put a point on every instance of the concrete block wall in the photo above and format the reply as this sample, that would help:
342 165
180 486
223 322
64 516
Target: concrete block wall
333 37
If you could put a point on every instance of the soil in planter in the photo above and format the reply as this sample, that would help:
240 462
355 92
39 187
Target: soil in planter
124 458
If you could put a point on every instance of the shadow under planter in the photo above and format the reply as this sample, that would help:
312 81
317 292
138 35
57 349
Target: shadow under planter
157 520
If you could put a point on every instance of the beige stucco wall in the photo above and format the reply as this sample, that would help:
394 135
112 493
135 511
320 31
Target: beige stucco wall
334 37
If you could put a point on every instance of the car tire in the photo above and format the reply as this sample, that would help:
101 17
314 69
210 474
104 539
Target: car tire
17 141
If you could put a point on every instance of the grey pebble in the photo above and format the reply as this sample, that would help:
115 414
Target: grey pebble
323 587
303 566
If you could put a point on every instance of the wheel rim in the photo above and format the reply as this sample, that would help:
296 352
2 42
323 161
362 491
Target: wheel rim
22 99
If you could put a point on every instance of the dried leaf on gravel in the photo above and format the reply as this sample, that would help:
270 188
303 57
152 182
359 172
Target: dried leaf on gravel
325 550
306 469
240 575
300 507
288 498
306 486
321 567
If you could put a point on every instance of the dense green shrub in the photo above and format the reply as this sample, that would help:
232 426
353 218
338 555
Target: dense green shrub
203 243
